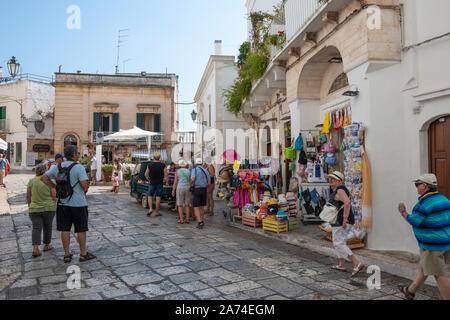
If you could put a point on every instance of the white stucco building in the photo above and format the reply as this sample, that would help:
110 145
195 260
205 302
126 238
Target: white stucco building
219 75
27 121
393 56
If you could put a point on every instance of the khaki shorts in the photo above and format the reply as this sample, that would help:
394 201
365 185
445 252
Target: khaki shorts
183 196
434 262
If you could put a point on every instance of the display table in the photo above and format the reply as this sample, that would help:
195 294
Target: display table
251 221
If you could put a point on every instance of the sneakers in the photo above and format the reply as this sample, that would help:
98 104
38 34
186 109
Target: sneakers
200 225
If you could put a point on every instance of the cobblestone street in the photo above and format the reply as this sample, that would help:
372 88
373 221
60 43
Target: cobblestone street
156 258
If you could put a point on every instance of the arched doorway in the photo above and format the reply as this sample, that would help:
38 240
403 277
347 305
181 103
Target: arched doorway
70 140
439 153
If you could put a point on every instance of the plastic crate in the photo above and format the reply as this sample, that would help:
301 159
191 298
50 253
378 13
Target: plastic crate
275 226
251 221
293 224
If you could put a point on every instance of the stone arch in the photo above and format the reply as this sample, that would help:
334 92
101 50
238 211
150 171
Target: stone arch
318 74
65 139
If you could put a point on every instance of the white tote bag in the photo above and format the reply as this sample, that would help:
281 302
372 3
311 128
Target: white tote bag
329 213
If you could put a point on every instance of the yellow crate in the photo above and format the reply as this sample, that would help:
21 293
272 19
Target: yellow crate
293 224
275 226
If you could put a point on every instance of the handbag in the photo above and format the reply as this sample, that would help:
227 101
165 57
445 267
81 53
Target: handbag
329 213
290 153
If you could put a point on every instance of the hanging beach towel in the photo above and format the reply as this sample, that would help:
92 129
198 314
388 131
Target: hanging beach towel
326 124
330 128
336 121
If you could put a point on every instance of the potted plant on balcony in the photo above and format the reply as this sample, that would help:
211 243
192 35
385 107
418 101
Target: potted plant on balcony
107 173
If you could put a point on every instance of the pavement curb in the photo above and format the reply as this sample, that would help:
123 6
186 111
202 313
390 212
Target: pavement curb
404 270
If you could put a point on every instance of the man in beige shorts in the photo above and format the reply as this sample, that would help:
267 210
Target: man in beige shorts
430 220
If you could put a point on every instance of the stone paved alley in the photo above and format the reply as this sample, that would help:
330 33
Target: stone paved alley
156 258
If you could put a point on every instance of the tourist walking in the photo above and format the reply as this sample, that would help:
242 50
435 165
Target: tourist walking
41 201
340 198
72 207
200 180
210 189
430 220
93 165
181 190
2 168
156 172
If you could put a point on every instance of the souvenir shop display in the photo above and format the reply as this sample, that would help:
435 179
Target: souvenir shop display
313 197
351 147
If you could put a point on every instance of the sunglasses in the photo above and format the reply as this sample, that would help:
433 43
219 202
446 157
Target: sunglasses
417 184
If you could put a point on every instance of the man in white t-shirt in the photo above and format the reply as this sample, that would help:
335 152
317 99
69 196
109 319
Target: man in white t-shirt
93 165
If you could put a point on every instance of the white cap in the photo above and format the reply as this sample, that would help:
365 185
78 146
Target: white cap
182 163
199 161
427 178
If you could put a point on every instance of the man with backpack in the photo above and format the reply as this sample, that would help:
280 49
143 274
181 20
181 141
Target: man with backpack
72 183
200 180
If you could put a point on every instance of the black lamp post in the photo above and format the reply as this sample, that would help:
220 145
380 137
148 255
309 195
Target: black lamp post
13 69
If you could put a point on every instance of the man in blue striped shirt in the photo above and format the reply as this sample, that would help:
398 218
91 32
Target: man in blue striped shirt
430 220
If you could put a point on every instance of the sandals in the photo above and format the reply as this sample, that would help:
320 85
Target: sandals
338 267
36 255
48 248
405 291
68 259
357 269
87 257
180 221
149 213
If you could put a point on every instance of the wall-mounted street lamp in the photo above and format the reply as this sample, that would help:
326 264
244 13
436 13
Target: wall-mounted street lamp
351 93
13 69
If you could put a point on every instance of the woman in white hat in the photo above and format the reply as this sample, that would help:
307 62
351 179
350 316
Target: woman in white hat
181 187
340 198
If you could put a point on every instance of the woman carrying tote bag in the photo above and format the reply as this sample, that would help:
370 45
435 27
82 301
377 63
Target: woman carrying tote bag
340 198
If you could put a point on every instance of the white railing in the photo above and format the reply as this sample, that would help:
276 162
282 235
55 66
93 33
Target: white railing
298 12
186 137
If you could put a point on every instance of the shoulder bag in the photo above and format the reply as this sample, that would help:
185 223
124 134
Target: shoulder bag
330 213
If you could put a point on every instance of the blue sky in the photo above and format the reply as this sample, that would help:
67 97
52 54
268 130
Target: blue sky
174 34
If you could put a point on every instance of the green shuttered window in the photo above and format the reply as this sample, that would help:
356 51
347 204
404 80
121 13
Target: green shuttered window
96 121
140 120
115 122
157 119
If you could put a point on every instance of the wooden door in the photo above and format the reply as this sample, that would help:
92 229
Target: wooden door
439 153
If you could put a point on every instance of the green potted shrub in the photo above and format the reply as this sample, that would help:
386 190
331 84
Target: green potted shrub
107 172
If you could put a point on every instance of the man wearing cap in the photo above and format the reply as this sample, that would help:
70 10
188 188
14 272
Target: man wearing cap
430 220
200 180
59 158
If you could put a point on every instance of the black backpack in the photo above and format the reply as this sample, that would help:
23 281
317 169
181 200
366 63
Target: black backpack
64 189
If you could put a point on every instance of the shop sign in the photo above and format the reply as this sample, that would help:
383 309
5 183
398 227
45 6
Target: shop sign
41 148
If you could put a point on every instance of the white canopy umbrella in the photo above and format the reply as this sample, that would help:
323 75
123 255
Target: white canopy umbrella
3 145
133 134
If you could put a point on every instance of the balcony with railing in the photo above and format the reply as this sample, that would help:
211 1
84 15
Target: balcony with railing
298 13
186 137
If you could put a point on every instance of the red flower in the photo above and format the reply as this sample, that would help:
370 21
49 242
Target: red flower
280 33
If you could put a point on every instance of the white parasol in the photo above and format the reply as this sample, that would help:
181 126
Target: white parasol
133 134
